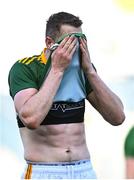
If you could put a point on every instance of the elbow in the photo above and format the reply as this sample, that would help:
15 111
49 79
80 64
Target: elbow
118 119
30 122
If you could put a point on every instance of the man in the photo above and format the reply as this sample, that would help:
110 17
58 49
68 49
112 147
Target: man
129 153
49 91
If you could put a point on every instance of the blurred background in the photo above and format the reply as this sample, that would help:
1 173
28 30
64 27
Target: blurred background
109 27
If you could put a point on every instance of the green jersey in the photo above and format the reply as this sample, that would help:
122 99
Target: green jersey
30 73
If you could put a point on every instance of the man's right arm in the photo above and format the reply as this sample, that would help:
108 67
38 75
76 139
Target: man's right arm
32 105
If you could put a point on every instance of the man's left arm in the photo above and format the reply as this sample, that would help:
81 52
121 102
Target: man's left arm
107 103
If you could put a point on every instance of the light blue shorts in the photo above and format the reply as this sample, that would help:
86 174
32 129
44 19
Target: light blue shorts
60 170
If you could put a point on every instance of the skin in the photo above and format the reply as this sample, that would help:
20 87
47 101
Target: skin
130 168
64 142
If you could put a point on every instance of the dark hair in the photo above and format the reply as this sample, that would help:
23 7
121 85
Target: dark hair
56 20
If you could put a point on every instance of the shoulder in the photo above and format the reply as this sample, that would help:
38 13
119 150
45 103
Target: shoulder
27 64
23 74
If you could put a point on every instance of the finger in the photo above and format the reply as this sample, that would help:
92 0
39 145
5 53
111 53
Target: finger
63 42
73 50
69 42
71 46
83 43
83 47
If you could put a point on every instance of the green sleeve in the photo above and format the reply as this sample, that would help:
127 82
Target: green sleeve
129 144
87 84
21 77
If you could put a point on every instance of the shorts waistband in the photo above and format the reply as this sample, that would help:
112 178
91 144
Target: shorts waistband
79 162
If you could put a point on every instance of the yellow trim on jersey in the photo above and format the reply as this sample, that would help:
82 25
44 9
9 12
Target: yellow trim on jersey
43 56
23 60
30 60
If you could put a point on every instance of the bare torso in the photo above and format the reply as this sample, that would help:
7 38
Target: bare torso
55 143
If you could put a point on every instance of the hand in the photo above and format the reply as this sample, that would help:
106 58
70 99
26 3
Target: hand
62 56
86 61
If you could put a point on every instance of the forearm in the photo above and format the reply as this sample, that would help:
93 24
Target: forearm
102 98
36 108
108 104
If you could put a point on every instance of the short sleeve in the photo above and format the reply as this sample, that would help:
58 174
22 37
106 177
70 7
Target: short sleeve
21 77
87 84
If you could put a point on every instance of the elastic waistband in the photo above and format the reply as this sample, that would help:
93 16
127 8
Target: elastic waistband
59 163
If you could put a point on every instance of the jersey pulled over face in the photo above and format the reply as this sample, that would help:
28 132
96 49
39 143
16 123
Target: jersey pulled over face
72 87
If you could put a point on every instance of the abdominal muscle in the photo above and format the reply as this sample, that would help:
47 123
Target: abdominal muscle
55 143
